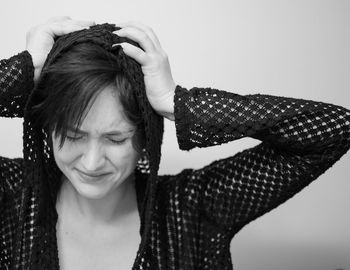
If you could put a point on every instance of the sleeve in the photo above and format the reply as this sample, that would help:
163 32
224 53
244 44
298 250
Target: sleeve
2 192
300 139
10 176
16 82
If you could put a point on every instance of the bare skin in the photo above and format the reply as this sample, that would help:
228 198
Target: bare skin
88 238
98 220
86 244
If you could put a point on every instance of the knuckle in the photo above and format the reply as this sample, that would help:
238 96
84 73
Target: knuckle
143 36
158 59
59 18
149 28
33 30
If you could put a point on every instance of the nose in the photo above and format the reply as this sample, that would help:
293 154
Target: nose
93 157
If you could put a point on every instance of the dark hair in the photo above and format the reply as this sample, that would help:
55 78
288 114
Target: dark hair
72 84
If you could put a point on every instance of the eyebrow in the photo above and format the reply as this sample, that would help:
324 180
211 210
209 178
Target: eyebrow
108 133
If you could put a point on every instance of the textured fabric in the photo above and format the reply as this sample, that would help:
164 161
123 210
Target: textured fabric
14 84
44 174
196 212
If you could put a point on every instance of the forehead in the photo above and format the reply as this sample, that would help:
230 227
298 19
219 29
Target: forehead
106 113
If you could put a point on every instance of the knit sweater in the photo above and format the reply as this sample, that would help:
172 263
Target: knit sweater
196 212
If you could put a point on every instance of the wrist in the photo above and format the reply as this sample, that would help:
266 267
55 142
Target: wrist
164 106
37 59
167 107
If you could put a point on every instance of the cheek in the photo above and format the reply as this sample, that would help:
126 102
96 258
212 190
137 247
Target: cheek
65 155
123 156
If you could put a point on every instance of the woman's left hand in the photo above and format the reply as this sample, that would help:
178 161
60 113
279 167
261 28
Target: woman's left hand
160 86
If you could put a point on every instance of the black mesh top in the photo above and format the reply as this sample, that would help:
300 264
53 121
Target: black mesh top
196 212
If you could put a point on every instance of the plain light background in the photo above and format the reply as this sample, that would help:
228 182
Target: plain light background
295 48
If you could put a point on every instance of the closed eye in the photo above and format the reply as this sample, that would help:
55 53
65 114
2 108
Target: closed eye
75 138
113 141
121 141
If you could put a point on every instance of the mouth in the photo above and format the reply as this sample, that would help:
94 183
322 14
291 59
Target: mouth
92 176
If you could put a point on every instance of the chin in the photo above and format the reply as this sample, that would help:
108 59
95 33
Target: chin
91 192
97 190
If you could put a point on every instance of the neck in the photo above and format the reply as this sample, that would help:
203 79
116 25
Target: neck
113 207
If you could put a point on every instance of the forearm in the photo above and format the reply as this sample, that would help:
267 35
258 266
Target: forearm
207 117
301 139
167 108
16 82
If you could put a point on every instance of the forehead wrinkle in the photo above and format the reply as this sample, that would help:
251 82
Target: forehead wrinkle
107 132
117 127
101 120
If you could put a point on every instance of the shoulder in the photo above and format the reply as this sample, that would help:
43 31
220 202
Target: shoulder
168 181
184 188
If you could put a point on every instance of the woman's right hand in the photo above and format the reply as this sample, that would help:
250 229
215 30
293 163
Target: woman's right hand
40 38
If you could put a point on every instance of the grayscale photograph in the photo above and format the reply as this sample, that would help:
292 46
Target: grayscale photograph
175 135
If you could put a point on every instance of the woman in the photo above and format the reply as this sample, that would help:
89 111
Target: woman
87 195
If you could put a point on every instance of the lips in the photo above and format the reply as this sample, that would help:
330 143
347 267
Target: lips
92 176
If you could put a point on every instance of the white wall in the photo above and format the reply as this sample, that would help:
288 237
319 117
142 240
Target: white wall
297 48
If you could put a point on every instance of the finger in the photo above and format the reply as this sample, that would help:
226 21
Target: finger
59 19
139 36
59 30
134 52
148 30
142 27
82 23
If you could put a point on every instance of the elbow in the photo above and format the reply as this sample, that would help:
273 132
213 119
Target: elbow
342 127
346 125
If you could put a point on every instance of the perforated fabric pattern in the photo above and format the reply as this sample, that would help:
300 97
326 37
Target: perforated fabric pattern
301 139
196 212
10 181
14 84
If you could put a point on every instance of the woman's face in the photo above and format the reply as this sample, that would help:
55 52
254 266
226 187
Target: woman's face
100 156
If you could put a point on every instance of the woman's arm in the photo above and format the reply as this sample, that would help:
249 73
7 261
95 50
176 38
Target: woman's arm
10 176
16 81
19 73
300 140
